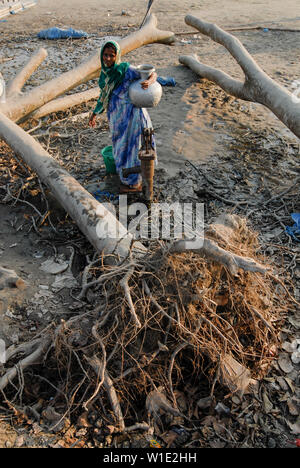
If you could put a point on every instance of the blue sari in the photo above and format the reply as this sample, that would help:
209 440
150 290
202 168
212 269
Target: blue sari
126 125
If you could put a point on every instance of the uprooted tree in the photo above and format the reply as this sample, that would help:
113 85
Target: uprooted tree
160 318
257 86
162 313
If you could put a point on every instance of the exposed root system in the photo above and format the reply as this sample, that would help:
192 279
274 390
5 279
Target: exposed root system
159 324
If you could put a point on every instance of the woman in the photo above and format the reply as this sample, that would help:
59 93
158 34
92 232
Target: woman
125 120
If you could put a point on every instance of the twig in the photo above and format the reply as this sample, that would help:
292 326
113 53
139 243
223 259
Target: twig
280 195
138 427
109 387
24 201
265 322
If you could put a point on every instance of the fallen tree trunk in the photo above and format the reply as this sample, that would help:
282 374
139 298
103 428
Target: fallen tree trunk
257 86
15 86
176 299
19 108
100 227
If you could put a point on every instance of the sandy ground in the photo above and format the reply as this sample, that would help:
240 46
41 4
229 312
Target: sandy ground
93 15
194 120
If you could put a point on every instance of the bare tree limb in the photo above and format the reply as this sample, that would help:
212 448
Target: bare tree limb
15 86
257 86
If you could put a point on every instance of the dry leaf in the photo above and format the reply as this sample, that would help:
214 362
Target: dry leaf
50 414
295 428
290 384
285 364
287 346
34 192
295 321
181 400
208 420
82 420
266 402
235 376
282 383
295 357
207 432
204 403
292 408
221 299
60 444
196 435
219 429
111 429
55 418
79 444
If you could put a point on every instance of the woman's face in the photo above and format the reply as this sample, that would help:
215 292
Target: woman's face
109 56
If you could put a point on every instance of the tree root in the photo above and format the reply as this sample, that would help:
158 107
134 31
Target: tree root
34 358
184 328
124 285
95 363
212 251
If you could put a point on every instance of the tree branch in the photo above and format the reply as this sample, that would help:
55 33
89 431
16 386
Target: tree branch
257 87
15 86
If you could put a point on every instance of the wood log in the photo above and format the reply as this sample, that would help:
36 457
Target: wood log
18 109
100 227
15 86
257 86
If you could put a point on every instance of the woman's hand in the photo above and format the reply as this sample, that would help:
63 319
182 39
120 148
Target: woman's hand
92 121
152 78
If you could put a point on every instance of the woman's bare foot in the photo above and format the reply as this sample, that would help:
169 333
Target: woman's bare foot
130 188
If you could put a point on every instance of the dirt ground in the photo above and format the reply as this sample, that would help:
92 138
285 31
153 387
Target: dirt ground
242 146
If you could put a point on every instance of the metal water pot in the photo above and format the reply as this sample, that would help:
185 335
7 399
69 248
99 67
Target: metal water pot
149 97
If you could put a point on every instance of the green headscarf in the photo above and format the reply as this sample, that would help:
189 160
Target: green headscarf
110 77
